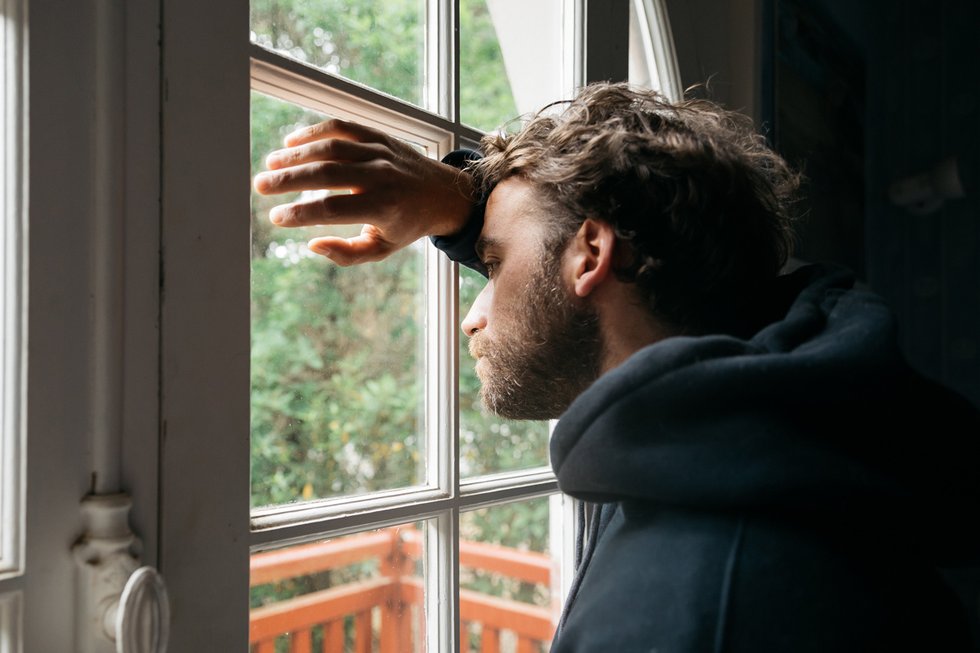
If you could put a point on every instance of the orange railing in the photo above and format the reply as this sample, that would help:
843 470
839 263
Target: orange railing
396 594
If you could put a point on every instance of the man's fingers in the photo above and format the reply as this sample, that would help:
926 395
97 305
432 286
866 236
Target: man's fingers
335 128
365 248
321 175
329 149
333 209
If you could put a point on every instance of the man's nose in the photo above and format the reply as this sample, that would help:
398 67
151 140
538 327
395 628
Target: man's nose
476 318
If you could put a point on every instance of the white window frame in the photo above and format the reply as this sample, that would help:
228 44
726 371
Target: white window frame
656 43
13 282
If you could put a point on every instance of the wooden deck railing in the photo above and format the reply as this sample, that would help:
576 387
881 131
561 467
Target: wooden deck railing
396 594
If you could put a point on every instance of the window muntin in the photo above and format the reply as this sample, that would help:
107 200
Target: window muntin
13 234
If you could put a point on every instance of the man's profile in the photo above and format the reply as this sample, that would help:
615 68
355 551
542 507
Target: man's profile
767 473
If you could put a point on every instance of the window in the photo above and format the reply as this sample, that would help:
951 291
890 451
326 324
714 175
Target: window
377 505
353 370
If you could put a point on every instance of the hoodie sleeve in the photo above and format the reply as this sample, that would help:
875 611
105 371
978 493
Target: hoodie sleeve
461 246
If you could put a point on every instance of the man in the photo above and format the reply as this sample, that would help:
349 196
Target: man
769 474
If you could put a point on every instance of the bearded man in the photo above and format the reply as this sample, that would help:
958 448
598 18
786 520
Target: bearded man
765 471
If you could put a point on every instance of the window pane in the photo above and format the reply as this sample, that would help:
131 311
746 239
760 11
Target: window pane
337 364
360 592
511 59
487 443
508 598
379 44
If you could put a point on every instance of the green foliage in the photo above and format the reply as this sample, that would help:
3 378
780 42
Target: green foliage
335 387
379 44
485 98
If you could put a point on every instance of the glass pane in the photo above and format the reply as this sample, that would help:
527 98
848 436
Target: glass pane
511 59
509 599
360 592
489 444
337 364
379 44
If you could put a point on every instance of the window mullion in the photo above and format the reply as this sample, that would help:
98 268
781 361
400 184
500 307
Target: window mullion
282 78
449 542
657 26
440 59
441 384
442 602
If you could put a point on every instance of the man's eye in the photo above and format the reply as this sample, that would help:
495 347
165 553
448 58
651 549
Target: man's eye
491 267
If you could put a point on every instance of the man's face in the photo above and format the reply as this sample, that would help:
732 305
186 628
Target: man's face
537 345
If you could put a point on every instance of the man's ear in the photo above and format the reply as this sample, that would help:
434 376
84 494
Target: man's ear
590 255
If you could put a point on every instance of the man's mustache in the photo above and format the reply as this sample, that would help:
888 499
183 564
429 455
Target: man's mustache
477 346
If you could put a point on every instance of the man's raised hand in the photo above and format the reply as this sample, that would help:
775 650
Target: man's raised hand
398 194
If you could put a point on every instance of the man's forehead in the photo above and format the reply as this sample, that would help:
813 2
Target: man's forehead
514 210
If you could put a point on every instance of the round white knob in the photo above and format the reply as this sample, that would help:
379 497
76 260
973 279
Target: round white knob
143 616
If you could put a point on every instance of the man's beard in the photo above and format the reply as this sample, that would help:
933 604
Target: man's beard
544 354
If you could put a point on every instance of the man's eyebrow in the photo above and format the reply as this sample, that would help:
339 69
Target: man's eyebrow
483 243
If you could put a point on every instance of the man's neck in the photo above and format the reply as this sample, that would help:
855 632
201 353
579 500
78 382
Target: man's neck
627 325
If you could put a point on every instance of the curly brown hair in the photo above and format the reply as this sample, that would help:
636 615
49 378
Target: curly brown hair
699 202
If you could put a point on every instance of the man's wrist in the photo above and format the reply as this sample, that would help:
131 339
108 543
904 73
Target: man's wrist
457 205
460 245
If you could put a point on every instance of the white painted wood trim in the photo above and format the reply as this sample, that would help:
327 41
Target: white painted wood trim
312 519
442 397
205 335
13 304
662 44
439 90
294 82
108 191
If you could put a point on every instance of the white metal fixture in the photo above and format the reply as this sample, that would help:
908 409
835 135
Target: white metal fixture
123 607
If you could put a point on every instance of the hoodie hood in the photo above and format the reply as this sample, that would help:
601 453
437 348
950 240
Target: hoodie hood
816 416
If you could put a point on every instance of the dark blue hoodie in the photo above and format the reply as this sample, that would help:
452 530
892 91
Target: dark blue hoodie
793 491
